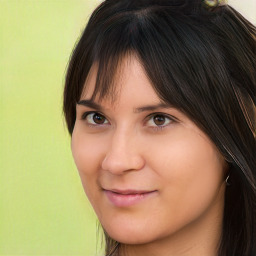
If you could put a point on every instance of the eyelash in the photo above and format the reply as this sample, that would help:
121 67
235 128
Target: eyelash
165 116
172 119
86 114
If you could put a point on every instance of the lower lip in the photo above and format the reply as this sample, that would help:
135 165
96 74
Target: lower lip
123 200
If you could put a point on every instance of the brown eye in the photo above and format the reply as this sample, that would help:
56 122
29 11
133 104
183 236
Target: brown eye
95 118
159 119
98 118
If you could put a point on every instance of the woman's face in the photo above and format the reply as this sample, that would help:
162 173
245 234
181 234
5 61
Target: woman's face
149 172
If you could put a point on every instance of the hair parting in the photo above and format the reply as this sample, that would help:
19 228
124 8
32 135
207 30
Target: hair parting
199 59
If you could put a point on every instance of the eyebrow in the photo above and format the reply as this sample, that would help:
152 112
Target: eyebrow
94 105
152 107
90 104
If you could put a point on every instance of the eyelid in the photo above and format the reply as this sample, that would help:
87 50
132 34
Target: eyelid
170 117
175 119
87 113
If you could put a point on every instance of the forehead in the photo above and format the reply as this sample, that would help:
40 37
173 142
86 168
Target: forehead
128 78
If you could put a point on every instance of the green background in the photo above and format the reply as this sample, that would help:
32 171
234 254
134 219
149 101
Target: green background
43 209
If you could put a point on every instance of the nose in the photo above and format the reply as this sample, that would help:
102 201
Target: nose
123 154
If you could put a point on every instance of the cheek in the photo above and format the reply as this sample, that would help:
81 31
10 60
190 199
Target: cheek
185 156
192 173
88 154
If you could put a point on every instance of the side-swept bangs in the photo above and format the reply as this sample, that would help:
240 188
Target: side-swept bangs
200 61
184 56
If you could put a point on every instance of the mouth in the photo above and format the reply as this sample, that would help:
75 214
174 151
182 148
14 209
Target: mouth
126 198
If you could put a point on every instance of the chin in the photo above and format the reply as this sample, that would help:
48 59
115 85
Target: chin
131 234
132 239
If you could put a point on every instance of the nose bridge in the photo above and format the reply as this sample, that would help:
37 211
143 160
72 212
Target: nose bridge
120 139
122 153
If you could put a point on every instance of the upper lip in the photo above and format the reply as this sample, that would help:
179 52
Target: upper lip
129 191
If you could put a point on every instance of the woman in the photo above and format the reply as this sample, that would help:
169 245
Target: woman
160 102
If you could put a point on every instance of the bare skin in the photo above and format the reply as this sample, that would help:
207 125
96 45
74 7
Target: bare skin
154 179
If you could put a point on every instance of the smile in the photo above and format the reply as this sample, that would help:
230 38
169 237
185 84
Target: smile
125 198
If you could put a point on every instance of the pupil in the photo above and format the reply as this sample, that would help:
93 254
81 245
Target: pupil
98 119
159 120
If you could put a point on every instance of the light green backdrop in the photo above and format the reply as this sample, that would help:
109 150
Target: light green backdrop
43 209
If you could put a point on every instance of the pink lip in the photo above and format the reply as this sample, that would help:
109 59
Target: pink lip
125 198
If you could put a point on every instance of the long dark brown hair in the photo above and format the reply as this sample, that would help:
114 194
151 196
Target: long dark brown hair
201 59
